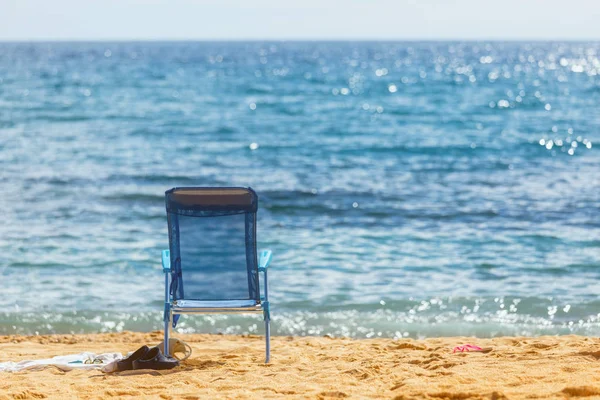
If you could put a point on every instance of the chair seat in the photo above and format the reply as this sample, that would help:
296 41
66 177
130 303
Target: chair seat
210 306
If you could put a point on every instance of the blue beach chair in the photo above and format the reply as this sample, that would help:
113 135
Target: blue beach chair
211 265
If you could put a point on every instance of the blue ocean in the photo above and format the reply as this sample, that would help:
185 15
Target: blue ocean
407 189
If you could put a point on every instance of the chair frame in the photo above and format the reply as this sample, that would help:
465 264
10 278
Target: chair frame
182 306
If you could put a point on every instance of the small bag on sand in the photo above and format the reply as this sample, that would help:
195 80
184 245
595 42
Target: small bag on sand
177 348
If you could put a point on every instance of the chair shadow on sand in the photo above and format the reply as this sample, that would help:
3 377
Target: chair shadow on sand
189 365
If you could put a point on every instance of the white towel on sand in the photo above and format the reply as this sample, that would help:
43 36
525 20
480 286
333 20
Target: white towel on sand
105 362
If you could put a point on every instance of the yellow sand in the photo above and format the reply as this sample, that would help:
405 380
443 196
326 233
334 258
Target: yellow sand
316 367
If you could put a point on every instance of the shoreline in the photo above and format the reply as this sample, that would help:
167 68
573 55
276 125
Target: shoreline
228 366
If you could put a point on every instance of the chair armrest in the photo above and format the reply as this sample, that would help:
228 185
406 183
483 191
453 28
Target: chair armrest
166 261
264 260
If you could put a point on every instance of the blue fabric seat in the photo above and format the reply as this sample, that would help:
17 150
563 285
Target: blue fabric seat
212 265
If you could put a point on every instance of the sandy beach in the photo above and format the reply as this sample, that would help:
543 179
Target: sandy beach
316 367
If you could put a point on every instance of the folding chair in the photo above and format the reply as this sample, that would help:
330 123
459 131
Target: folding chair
211 265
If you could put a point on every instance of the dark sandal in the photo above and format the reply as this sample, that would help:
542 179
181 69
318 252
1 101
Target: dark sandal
126 364
154 359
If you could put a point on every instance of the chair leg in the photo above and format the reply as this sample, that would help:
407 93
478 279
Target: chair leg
168 313
167 329
268 339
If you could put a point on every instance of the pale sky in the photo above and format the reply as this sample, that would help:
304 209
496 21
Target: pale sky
297 19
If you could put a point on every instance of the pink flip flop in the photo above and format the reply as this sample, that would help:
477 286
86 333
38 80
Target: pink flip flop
471 347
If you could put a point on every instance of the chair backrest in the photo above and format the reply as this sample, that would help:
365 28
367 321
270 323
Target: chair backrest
212 242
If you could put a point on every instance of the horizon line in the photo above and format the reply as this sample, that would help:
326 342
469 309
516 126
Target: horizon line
240 40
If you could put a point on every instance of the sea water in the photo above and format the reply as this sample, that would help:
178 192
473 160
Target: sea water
406 188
